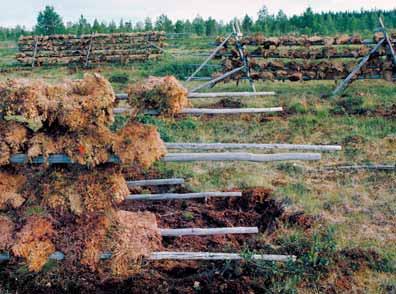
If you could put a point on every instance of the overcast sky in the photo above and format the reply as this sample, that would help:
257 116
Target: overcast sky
24 12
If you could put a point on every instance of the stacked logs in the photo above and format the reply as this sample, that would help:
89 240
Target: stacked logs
290 40
97 48
316 56
303 71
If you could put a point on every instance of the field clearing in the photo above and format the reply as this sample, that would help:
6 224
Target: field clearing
359 206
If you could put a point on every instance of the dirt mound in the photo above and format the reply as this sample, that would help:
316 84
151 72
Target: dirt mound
34 243
72 104
165 95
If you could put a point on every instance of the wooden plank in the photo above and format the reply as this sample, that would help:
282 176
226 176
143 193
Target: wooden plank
159 182
210 57
222 146
230 156
216 256
186 196
216 80
207 232
357 68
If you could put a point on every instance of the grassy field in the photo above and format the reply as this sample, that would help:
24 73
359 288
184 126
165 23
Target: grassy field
360 206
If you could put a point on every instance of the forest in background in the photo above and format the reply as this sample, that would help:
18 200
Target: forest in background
310 23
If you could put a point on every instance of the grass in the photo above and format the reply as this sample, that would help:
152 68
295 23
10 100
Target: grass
361 205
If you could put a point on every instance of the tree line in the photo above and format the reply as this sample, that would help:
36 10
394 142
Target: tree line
310 23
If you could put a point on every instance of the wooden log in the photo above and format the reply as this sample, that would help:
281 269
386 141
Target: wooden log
230 156
207 232
230 94
52 159
159 182
198 111
216 80
379 167
124 96
222 146
177 157
202 111
59 256
357 68
216 256
175 196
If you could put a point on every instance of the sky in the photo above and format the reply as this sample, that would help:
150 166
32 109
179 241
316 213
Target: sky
24 12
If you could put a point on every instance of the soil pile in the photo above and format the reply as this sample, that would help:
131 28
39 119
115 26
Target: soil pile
166 95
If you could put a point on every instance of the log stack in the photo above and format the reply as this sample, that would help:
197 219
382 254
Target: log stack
307 58
96 48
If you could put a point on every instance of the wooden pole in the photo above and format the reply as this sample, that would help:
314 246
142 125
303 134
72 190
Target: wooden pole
231 94
124 96
229 156
177 157
35 51
216 256
174 196
216 80
198 111
59 256
159 182
203 111
388 40
379 167
222 146
209 57
207 232
89 50
357 68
